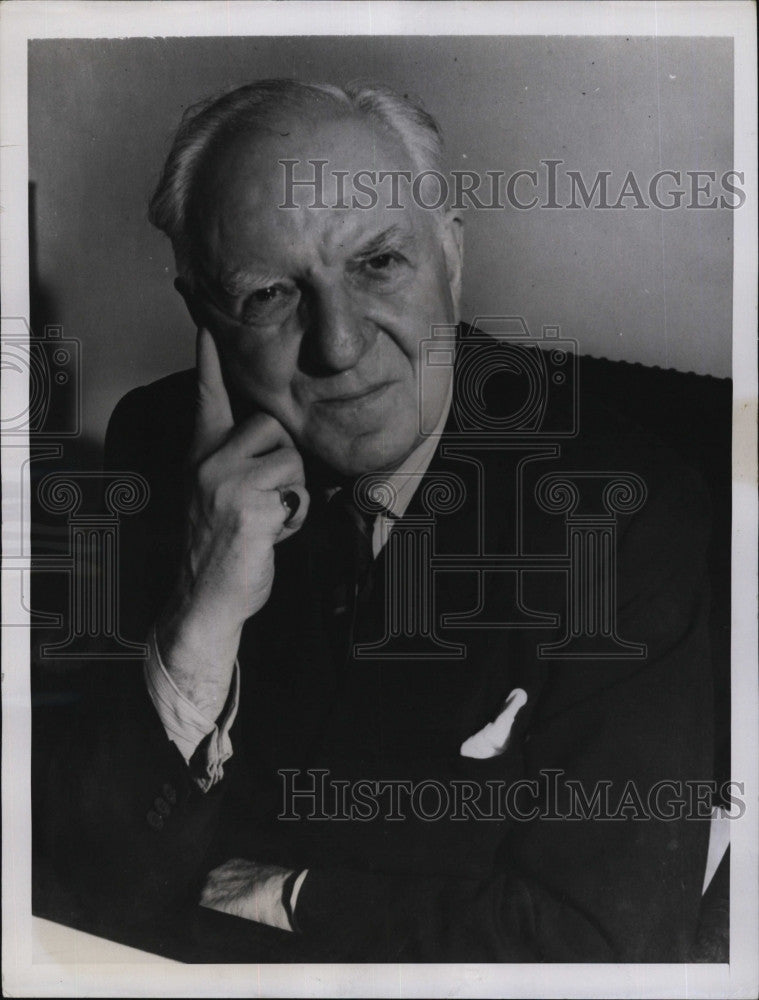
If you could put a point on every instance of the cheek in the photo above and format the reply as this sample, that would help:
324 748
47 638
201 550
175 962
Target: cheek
427 304
442 293
260 367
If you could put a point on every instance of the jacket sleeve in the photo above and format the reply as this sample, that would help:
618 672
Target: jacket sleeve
126 826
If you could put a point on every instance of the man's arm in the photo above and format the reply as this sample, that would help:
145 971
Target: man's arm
128 821
234 517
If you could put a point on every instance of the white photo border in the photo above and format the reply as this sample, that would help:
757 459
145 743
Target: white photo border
94 967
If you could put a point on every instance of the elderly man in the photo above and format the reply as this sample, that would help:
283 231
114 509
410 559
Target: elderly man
281 756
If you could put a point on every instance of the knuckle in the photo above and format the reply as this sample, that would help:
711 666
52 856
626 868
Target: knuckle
205 475
294 458
287 461
273 464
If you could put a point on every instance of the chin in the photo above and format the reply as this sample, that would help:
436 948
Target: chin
379 457
367 453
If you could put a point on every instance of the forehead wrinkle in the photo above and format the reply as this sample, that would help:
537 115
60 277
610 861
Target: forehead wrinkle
246 219
347 234
393 234
236 280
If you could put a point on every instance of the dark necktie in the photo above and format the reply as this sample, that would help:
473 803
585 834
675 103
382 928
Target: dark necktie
350 555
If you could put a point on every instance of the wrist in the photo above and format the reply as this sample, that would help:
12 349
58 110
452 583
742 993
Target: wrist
199 659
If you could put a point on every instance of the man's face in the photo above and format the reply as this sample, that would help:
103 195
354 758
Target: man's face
318 313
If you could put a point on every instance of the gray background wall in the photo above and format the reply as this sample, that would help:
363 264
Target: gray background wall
640 285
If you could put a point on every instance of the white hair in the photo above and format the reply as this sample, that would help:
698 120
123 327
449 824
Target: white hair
260 106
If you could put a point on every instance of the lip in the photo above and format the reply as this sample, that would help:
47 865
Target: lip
368 395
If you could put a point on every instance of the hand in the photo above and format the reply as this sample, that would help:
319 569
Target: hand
249 890
235 517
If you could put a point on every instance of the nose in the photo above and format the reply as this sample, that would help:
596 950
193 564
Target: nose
336 334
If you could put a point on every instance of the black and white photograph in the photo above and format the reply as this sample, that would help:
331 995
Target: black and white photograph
379 499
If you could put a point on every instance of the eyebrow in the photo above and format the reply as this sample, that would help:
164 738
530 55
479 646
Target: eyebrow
243 280
237 283
394 235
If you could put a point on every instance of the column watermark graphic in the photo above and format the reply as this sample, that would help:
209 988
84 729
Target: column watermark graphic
515 406
91 564
67 522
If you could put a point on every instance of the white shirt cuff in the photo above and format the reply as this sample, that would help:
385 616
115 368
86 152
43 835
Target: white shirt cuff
296 889
185 725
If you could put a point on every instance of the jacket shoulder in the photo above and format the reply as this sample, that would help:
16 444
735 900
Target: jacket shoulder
149 434
152 425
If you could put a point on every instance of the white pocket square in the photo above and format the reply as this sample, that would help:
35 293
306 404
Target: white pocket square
492 739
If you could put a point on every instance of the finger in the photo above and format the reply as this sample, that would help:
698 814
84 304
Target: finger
227 880
213 418
218 897
277 517
256 435
235 866
272 471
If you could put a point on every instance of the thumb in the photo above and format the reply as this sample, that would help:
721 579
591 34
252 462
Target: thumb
213 416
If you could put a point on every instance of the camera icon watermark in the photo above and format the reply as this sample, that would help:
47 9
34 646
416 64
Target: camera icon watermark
509 384
42 382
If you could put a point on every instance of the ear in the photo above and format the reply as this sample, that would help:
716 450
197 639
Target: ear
183 287
453 249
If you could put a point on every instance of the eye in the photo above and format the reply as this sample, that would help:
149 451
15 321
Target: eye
382 261
266 294
382 272
269 303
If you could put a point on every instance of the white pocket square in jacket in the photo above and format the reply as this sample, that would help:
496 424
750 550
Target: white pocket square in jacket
492 740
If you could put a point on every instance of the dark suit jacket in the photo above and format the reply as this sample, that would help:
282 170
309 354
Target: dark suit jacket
452 889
